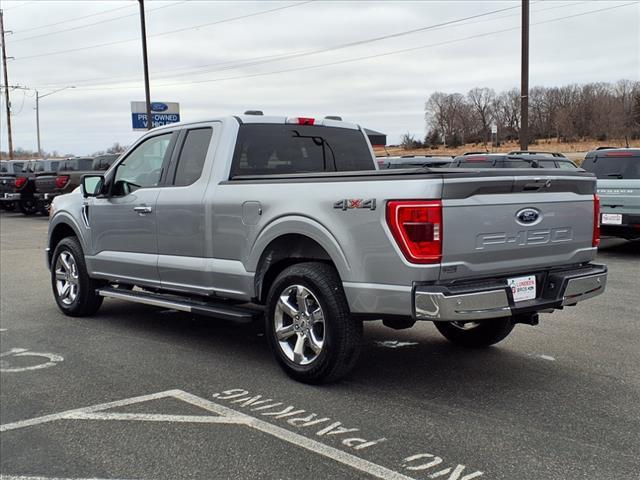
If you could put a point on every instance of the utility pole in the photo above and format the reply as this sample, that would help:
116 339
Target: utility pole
6 85
38 97
524 79
38 122
143 29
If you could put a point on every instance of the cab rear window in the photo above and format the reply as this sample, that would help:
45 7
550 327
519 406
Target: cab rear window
263 149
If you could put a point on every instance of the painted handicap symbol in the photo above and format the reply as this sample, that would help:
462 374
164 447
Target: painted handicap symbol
5 362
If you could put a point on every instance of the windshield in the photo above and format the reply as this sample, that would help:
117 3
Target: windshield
614 167
263 149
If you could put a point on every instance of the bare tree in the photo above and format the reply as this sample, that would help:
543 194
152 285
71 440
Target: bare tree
482 101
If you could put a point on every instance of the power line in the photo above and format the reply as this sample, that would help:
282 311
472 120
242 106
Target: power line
261 12
19 6
71 20
367 57
233 64
288 56
95 23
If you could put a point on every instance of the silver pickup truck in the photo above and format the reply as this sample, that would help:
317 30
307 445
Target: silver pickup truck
289 219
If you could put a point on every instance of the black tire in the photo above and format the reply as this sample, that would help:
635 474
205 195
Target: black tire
86 301
43 208
476 334
9 206
341 334
28 206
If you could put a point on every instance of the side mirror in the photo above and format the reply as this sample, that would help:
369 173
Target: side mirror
92 185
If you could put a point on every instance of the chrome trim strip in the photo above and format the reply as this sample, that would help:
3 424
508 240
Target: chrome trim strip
582 288
470 306
146 300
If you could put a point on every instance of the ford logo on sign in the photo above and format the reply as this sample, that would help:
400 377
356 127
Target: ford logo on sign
528 216
158 107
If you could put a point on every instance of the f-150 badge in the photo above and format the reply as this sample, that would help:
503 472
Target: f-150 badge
349 203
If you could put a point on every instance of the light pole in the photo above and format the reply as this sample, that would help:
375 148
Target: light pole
145 64
38 97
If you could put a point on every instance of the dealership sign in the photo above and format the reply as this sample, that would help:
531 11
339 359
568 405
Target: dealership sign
162 113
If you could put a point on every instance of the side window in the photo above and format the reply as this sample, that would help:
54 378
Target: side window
566 166
143 166
192 156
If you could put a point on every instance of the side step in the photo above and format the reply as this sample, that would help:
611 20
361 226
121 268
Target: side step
183 304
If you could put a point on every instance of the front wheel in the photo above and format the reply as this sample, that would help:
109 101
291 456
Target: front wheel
73 289
309 326
476 334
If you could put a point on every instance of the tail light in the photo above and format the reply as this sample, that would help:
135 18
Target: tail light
596 221
20 182
61 181
416 226
301 120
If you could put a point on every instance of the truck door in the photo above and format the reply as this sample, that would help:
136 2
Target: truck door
124 224
183 230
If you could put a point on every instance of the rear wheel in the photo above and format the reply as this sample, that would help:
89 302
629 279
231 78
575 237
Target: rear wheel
308 324
9 206
476 334
73 289
28 206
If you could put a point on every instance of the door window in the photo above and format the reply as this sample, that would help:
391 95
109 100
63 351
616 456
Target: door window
192 156
143 167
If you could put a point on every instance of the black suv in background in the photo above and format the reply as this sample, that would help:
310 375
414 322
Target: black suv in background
415 161
513 160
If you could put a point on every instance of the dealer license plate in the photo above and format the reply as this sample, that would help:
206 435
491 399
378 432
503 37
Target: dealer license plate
611 219
523 288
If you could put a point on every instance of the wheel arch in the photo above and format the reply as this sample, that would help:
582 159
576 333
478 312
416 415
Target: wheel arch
289 242
62 228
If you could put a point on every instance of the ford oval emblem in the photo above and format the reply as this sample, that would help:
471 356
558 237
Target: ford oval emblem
158 107
528 216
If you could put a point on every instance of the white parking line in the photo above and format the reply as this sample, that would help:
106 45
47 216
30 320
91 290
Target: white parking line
96 412
26 477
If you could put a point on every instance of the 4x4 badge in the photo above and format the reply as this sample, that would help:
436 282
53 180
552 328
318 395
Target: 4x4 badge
349 203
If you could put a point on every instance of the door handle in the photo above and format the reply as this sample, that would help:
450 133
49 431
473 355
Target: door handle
142 209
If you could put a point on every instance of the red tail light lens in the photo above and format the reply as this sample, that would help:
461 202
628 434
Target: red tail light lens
20 182
596 221
301 120
416 226
61 181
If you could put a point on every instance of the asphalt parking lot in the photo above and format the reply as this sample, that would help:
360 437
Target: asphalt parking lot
140 392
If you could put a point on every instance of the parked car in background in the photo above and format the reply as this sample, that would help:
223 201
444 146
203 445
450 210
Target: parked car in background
618 173
103 162
288 219
9 169
67 178
415 161
25 184
541 153
512 160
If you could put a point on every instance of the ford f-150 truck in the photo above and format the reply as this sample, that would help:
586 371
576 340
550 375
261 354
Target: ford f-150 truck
68 177
618 172
9 169
289 219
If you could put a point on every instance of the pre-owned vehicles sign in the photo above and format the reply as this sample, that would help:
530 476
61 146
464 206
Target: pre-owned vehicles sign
162 113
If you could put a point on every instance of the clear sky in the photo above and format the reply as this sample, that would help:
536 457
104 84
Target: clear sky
294 58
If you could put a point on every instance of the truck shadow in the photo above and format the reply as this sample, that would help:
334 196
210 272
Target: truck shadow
503 383
619 248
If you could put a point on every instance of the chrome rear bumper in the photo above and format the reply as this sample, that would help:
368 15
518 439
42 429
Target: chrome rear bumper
556 289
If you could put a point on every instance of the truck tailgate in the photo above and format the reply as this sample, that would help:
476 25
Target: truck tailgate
515 224
46 184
